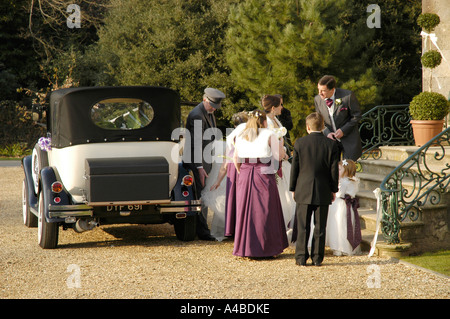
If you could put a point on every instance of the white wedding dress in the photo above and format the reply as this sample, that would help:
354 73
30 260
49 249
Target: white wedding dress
215 199
287 201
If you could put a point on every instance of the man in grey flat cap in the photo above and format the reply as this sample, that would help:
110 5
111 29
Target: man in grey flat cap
203 116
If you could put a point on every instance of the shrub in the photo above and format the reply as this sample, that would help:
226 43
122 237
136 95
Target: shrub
429 106
14 150
431 59
428 21
17 127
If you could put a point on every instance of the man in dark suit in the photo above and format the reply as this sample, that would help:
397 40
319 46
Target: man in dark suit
341 113
314 181
201 120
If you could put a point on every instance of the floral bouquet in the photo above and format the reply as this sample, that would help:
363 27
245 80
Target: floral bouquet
280 132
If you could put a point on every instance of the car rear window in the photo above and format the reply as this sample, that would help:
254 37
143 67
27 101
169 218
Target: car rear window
122 114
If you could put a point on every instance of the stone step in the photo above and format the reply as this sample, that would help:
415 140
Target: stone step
370 182
366 240
401 153
367 199
385 167
368 220
412 234
380 166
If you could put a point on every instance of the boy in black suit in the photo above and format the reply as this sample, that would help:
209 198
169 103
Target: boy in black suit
314 180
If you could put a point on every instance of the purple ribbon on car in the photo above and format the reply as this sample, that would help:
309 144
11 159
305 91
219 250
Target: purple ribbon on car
45 143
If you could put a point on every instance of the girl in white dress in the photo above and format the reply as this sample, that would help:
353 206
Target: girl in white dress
272 106
343 215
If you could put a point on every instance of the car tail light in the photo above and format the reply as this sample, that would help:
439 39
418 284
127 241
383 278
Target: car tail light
187 180
57 187
185 193
57 200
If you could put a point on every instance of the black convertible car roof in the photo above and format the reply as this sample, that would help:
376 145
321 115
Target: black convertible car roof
69 116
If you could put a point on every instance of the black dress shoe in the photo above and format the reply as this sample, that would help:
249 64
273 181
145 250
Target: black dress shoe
300 262
207 237
318 264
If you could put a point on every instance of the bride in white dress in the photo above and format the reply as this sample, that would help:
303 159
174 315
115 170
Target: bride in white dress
214 192
272 107
214 198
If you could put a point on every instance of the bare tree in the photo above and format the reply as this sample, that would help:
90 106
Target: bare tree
47 23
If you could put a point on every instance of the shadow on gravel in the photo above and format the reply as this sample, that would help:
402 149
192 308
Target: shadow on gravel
135 235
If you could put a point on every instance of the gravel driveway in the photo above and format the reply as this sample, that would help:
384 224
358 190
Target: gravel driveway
130 261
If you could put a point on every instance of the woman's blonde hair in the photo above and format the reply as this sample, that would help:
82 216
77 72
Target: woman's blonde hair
349 168
255 121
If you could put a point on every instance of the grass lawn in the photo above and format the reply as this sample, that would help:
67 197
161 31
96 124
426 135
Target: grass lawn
438 261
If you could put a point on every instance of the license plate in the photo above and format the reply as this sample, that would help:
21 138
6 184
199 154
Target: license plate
119 208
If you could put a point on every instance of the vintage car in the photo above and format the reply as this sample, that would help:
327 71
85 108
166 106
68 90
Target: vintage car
110 157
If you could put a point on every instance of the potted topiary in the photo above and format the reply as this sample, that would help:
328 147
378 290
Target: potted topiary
431 58
428 110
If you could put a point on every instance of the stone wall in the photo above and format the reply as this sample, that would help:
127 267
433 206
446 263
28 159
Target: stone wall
441 75
431 233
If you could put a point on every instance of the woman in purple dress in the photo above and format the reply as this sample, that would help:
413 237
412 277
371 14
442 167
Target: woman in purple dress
229 170
260 230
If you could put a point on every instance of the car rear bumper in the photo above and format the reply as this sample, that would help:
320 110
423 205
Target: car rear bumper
88 210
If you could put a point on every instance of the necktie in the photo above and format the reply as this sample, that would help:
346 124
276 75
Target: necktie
211 118
329 102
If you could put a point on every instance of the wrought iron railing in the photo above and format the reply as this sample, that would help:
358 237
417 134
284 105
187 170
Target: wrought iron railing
423 177
385 125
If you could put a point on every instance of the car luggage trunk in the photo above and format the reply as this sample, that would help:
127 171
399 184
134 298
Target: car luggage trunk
131 179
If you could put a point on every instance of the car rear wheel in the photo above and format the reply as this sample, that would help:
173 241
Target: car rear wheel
47 232
29 219
185 228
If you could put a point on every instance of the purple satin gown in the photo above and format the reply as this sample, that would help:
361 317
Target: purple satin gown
259 227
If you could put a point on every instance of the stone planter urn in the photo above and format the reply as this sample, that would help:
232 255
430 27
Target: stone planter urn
428 110
425 130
